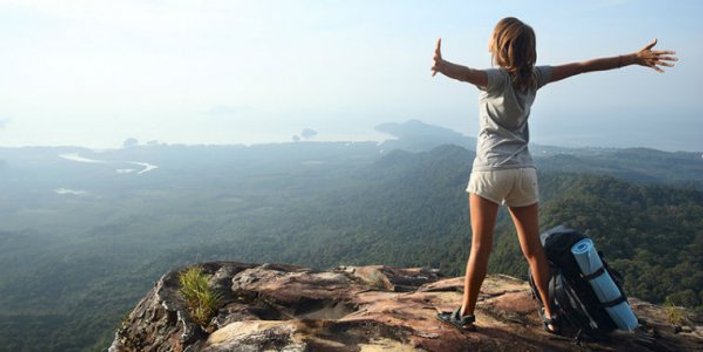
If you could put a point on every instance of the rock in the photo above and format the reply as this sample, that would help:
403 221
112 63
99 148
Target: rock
256 335
278 307
393 279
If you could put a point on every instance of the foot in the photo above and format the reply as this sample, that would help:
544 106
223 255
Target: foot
462 322
549 322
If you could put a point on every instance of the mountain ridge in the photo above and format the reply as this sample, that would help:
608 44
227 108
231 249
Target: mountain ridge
72 263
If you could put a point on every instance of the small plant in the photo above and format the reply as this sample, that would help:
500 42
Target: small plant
201 300
674 314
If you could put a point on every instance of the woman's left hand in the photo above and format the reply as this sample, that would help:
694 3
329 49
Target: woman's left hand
655 58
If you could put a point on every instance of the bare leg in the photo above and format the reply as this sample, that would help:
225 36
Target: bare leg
526 222
483 220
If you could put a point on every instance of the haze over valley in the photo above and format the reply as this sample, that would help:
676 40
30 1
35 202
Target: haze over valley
84 233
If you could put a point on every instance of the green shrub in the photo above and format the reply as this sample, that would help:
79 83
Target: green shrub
201 300
675 315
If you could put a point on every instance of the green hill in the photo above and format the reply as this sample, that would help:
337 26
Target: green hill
71 265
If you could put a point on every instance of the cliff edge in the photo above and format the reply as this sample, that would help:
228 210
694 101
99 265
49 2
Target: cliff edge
276 307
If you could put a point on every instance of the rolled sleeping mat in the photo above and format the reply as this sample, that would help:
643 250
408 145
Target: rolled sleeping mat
603 285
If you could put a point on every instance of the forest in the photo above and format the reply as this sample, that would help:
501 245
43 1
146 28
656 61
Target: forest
81 243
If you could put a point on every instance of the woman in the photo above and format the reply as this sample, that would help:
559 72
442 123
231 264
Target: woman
503 170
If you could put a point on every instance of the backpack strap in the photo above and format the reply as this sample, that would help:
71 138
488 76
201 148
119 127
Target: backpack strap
594 274
614 302
610 303
552 289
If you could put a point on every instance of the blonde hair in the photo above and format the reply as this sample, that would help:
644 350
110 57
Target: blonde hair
513 47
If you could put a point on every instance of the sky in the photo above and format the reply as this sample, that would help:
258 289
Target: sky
94 73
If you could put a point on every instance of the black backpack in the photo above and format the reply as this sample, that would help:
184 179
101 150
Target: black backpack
580 315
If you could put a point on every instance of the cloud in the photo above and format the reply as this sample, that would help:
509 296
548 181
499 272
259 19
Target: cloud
72 192
130 142
220 110
4 121
308 133
131 15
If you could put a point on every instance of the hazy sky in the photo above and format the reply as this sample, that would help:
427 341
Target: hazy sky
94 73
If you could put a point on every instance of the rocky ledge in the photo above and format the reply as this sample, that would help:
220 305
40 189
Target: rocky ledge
272 307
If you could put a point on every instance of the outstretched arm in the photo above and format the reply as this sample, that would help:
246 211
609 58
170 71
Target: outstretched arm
458 72
644 57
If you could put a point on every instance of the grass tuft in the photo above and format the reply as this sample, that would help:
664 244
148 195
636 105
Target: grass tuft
675 315
201 300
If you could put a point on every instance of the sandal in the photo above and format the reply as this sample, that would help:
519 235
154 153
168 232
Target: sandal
553 321
465 323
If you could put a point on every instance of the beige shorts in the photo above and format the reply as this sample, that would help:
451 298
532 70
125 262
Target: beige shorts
512 187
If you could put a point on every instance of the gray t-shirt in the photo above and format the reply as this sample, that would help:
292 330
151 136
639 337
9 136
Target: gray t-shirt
503 112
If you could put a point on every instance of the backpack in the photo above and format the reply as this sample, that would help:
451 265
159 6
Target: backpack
582 316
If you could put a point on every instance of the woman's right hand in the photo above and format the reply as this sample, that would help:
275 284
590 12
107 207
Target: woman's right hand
437 60
655 58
